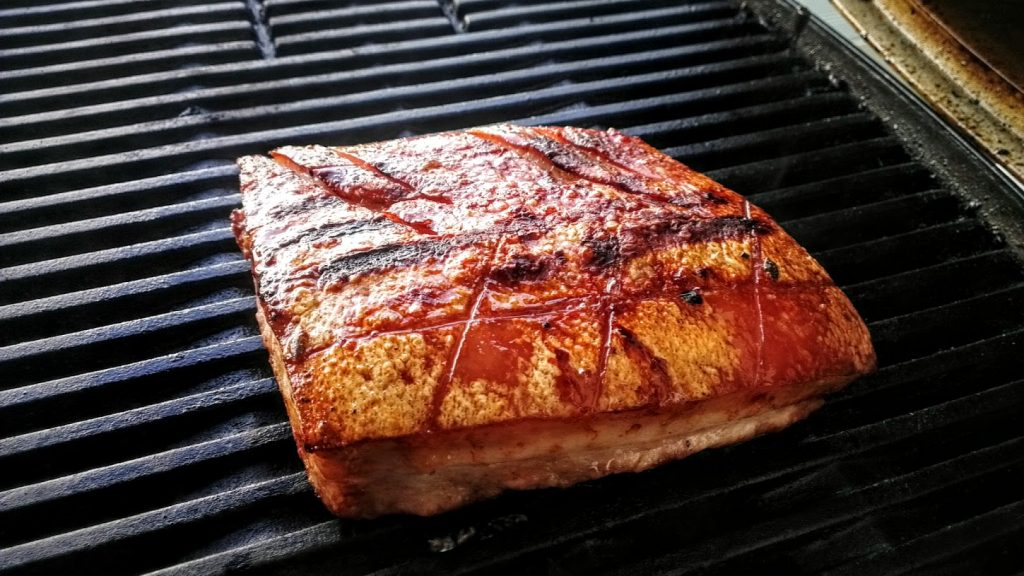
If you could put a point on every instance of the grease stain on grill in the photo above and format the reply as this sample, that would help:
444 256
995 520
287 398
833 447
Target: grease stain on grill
482 532
263 36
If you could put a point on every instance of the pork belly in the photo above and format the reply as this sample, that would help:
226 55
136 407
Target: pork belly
453 315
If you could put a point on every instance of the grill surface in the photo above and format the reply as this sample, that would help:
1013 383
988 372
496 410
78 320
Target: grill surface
140 428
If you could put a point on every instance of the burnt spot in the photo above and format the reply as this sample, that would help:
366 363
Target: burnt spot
692 297
388 257
521 269
772 269
603 252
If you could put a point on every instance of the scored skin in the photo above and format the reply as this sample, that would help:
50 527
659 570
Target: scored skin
569 250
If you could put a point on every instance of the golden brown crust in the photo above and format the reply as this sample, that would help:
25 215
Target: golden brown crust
506 275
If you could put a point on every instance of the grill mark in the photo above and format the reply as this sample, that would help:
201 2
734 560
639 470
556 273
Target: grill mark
559 156
560 136
758 272
355 264
639 240
331 230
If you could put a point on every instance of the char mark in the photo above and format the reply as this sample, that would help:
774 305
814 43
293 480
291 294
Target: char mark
639 239
333 230
387 257
303 205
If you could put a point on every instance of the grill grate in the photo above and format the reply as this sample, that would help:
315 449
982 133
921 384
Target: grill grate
140 428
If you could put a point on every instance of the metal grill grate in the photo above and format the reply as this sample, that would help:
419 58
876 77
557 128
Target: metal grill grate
140 428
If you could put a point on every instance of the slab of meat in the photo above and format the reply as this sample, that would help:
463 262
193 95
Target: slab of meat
453 315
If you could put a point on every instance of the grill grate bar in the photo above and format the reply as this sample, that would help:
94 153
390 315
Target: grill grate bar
75 485
814 165
79 29
767 90
887 217
766 115
120 421
878 257
845 191
354 15
46 77
162 256
446 116
270 91
24 398
100 200
952 281
265 552
321 40
937 368
902 337
875 498
156 520
72 96
16 58
475 21
48 242
721 153
174 129
25 319
71 11
14 356
934 551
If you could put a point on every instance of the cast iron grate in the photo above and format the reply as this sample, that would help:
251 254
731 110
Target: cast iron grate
140 428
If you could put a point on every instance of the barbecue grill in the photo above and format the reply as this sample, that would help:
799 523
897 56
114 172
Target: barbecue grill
140 427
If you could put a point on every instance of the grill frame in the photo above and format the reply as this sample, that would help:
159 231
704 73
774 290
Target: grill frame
519 531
